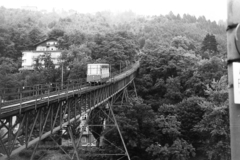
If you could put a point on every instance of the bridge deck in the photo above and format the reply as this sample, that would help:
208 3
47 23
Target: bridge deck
33 102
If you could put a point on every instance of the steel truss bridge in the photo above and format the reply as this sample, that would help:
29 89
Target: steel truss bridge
38 113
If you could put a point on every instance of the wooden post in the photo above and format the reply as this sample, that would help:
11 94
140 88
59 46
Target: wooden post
233 14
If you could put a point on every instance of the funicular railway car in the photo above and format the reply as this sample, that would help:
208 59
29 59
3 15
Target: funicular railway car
98 73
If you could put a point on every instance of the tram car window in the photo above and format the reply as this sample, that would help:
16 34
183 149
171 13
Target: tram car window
97 73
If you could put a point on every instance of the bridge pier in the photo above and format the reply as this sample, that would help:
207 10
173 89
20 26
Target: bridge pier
101 121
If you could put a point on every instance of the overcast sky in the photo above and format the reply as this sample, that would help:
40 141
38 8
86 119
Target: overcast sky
211 9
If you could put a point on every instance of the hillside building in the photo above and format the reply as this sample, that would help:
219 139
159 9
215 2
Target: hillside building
47 46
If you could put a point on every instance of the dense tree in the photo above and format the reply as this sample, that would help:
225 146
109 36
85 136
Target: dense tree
182 42
56 33
44 65
214 68
209 44
136 124
8 76
36 35
163 75
141 42
117 49
190 114
181 78
214 126
179 150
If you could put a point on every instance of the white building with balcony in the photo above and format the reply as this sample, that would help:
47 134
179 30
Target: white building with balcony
47 46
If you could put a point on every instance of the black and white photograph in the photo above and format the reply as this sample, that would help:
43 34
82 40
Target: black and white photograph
120 80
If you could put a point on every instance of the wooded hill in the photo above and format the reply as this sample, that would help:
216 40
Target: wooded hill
182 110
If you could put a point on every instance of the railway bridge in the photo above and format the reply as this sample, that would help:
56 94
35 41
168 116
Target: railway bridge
37 113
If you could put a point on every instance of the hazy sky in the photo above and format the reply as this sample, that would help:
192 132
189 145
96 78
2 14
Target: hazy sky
211 9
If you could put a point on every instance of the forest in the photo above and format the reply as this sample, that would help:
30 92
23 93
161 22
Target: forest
182 109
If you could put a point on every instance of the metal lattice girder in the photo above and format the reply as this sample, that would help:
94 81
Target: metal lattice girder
26 122
107 115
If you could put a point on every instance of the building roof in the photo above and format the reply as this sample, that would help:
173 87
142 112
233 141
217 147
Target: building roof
99 64
49 39
33 51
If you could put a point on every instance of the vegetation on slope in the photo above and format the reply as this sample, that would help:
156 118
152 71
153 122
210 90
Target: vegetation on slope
182 80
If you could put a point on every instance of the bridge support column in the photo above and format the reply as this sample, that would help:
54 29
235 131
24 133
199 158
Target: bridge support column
115 121
101 123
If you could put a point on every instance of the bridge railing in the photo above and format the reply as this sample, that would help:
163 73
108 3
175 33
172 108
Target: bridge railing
37 91
10 96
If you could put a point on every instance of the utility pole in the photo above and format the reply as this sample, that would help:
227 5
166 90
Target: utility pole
120 67
233 56
62 77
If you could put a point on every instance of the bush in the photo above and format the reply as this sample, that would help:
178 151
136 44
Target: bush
55 156
25 154
40 154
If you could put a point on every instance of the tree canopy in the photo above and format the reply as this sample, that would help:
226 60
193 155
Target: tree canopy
182 85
